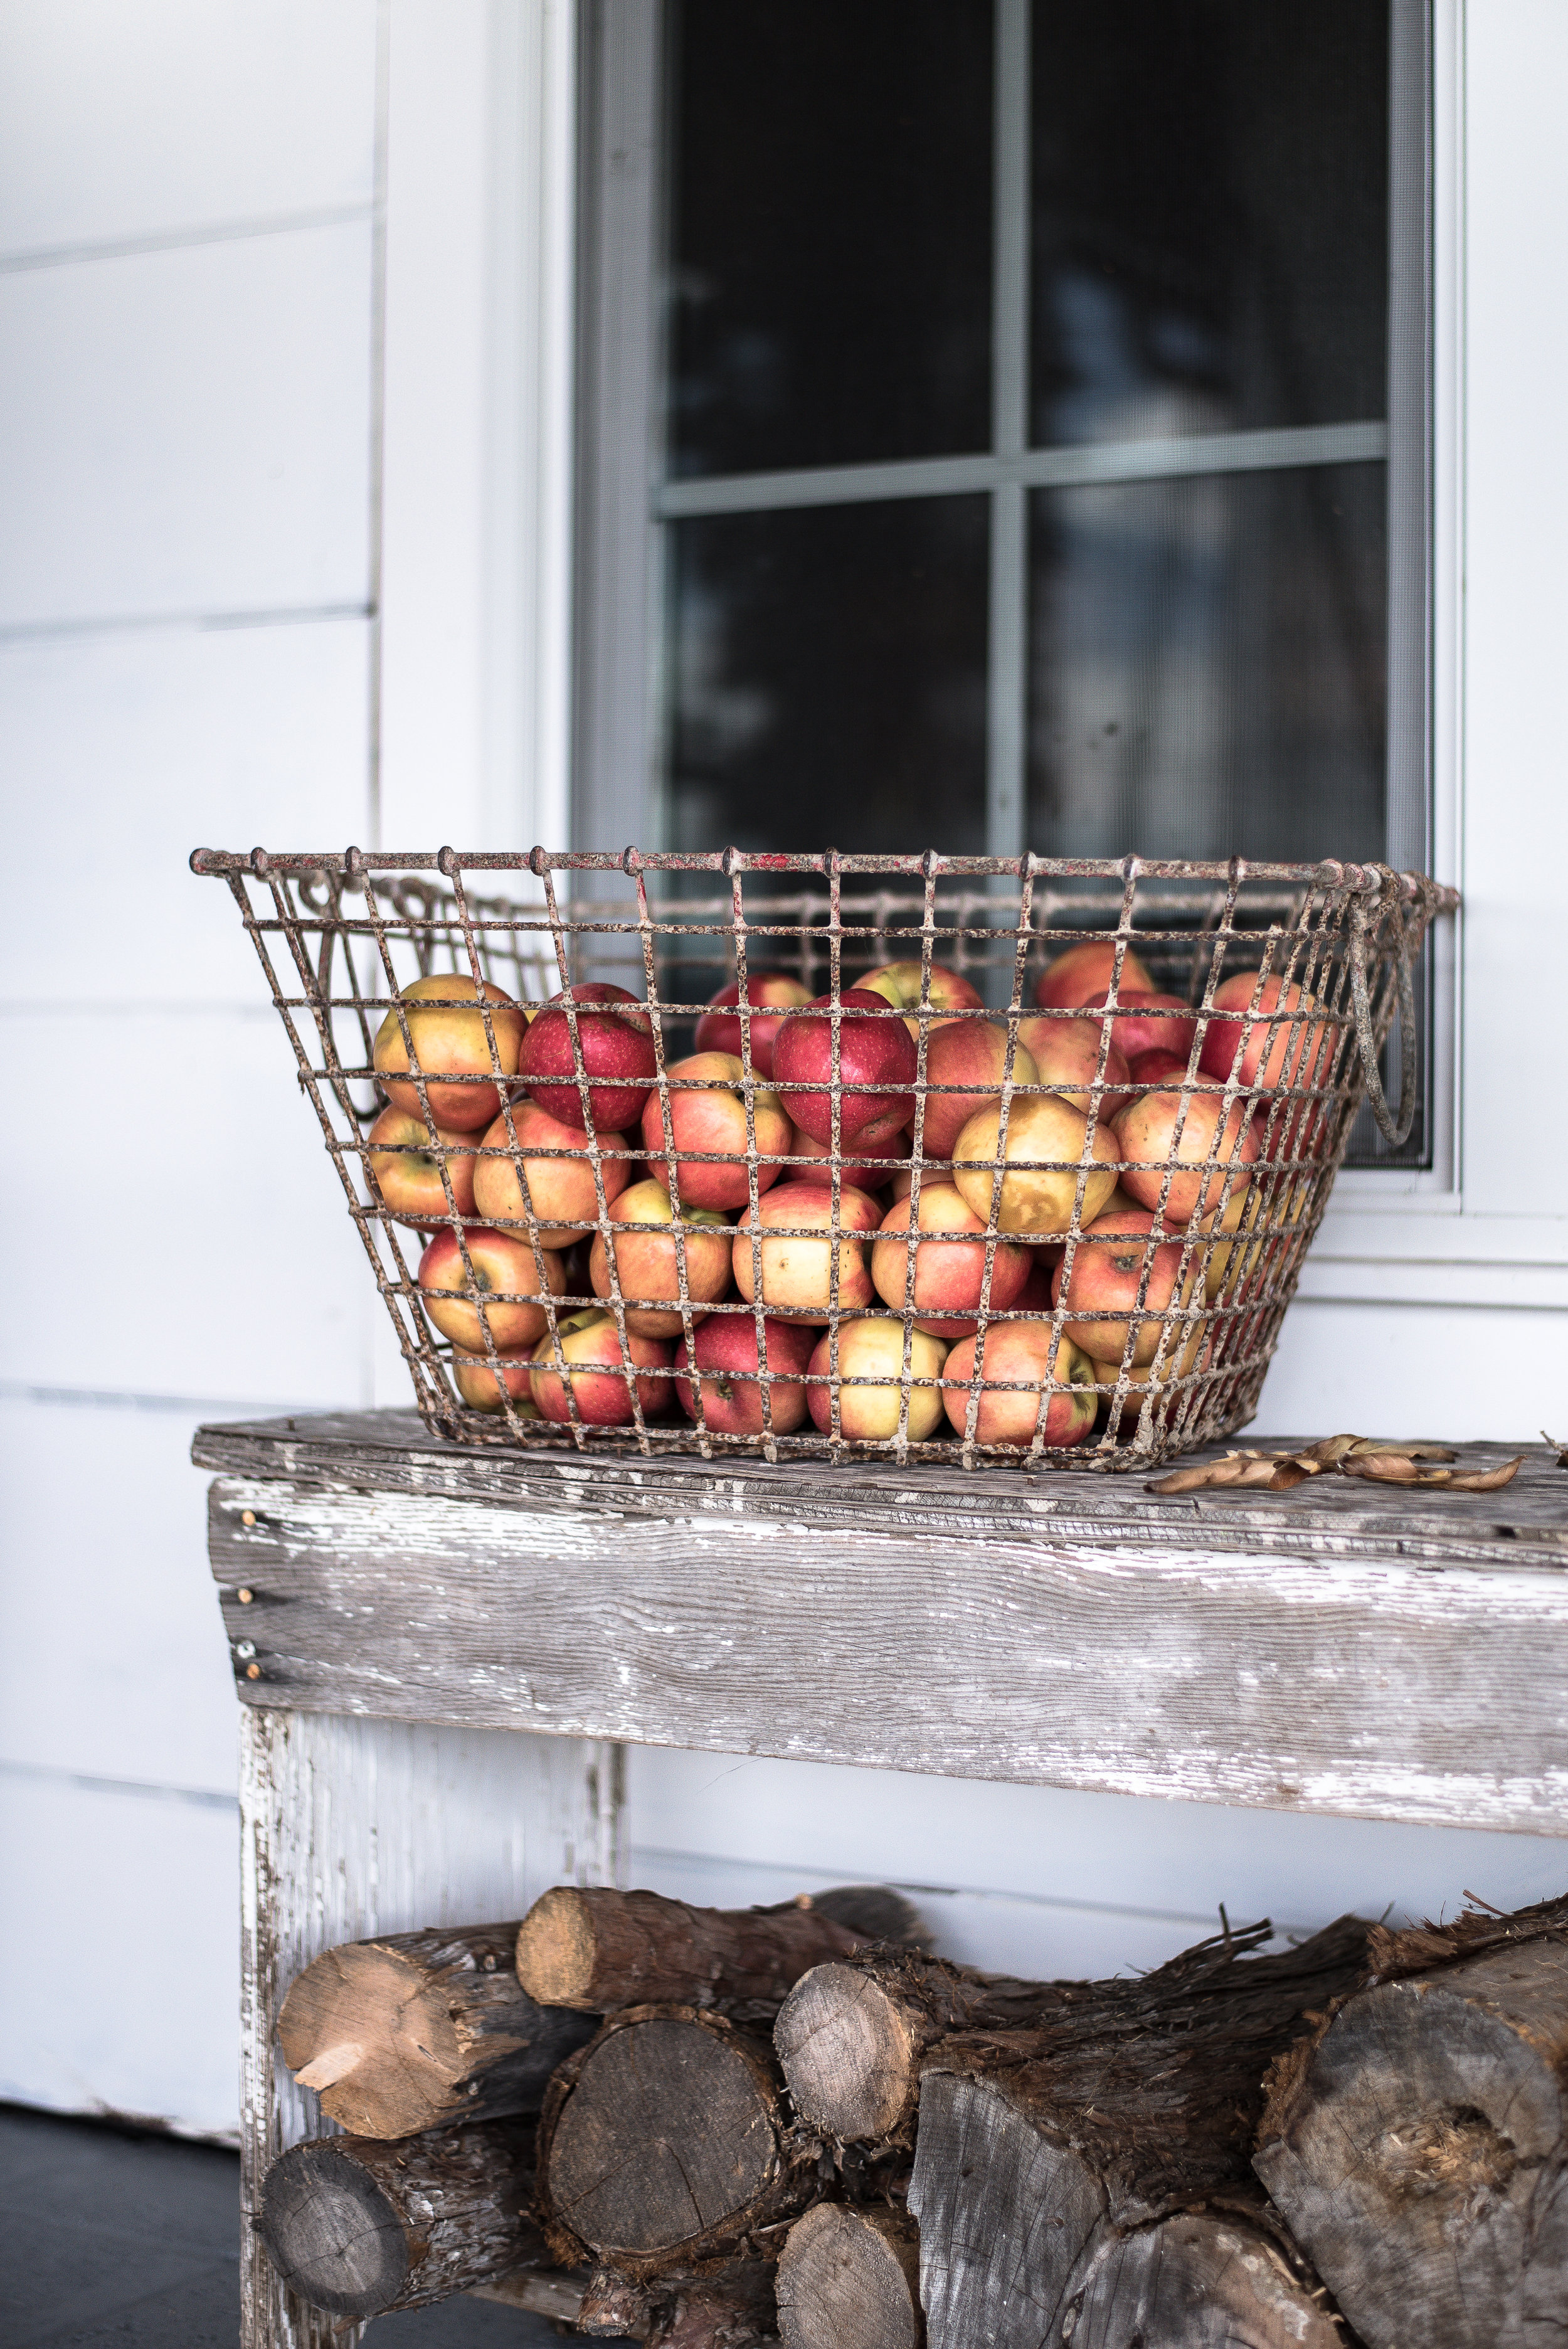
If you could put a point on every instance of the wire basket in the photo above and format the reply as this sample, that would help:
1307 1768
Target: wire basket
1004 1234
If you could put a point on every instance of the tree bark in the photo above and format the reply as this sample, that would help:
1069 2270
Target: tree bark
1040 2151
729 2308
360 2228
417 2030
852 2031
664 2144
1418 2143
848 2278
601 1952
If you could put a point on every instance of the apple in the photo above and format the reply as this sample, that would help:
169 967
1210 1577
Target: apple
617 1040
1146 1130
1269 1056
862 1172
728 1372
450 1048
503 1269
1067 1053
1146 1022
1036 1197
1108 1265
407 1168
876 1053
872 1348
797 1268
971 1054
646 1261
560 1189
589 1339
714 1121
950 994
949 1267
482 1391
719 1028
1086 971
1147 1069
1014 1371
1034 1297
1142 1384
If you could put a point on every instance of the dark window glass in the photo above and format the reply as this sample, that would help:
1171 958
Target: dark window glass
1210 219
829 236
828 678
1207 667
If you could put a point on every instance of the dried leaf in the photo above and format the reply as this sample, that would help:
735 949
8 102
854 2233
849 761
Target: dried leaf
1181 1480
1333 1448
1368 1446
1291 1472
1382 1467
1230 1470
1491 1480
1560 1449
1258 1471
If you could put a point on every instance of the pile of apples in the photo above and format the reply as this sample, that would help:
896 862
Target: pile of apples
746 1133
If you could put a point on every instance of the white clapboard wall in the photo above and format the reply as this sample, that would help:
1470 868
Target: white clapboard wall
286 541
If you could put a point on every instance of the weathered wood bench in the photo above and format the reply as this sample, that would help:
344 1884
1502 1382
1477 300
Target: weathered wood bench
393 1602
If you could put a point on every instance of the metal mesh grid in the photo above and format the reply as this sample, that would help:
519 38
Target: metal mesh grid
342 938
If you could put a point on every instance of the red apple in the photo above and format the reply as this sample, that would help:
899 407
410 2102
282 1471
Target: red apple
713 1122
796 1266
504 1269
1144 1385
949 994
971 1054
481 1391
862 1172
591 1346
876 1055
1146 1133
407 1168
872 1349
1013 1374
1158 1069
729 1372
1146 1022
718 1029
1108 1265
561 1190
1086 971
1067 1053
1278 1045
451 1048
1046 1143
617 1040
1034 1297
949 1267
646 1264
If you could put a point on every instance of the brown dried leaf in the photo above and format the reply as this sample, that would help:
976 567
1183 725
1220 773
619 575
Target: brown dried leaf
1560 1449
1382 1467
1369 1446
1258 1471
1230 1470
1287 1472
1491 1480
1331 1449
1183 1480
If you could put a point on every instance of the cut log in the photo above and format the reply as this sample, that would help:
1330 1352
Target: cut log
1201 2279
664 2143
417 2030
848 2278
1039 2150
851 2034
360 2227
728 2308
601 1952
1418 2146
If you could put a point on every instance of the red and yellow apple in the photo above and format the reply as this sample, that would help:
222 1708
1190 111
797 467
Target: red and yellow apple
481 1389
617 1038
1146 1022
452 1050
949 1265
1067 1053
1047 1140
862 1172
798 1261
971 1054
877 1061
406 1166
1086 971
1146 1131
713 1121
646 1264
1277 1044
1013 1372
1158 1069
949 996
1143 1384
872 1349
591 1348
505 1276
768 996
728 1372
1101 1294
561 1190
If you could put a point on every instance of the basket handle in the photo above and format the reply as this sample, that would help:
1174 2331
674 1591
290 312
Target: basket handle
1395 1131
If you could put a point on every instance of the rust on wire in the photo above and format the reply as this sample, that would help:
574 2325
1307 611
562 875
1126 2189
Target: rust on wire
1328 953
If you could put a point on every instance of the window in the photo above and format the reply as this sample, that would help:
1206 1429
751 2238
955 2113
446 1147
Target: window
1005 428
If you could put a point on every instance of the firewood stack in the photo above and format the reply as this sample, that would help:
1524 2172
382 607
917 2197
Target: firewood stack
707 2128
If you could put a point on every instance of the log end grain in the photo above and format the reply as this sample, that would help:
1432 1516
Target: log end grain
332 2235
851 2051
1197 2281
848 2278
555 1948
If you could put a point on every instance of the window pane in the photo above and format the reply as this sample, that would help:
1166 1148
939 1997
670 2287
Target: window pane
829 231
1207 667
1210 229
828 677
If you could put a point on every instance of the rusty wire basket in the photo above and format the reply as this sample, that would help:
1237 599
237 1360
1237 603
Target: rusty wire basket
1051 1311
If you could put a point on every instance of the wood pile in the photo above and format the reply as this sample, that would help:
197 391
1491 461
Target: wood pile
705 2129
